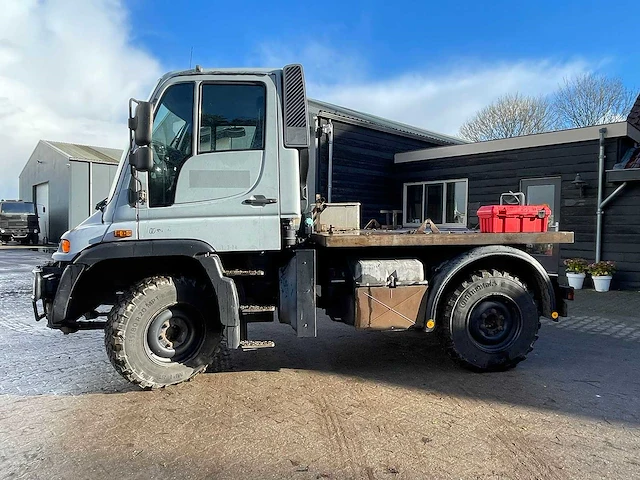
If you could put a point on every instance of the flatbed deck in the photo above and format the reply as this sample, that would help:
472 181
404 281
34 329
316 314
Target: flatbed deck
396 238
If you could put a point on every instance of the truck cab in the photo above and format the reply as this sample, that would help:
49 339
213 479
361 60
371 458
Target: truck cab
19 222
209 227
219 160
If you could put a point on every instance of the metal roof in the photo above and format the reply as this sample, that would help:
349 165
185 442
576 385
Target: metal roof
87 153
384 124
620 129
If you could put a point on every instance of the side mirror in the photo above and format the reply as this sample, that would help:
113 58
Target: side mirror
142 159
142 124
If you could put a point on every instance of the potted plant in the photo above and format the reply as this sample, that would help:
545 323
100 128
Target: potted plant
601 272
576 271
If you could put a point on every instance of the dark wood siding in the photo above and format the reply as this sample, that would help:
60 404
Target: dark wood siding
491 174
363 167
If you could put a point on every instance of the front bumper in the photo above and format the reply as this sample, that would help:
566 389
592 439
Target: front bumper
18 234
55 286
46 279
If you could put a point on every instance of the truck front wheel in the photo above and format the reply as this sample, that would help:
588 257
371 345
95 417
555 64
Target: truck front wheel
159 333
490 321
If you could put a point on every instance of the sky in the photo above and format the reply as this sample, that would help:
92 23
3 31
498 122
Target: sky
68 67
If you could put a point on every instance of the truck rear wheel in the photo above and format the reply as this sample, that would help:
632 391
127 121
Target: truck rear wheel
490 322
158 334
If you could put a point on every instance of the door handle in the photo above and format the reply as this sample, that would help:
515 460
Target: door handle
259 201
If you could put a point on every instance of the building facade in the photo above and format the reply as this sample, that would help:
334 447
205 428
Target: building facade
559 169
359 150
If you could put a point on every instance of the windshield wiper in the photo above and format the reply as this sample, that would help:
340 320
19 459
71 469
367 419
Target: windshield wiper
101 204
176 140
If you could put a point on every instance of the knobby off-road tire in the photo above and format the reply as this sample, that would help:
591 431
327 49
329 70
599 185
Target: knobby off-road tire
490 322
164 331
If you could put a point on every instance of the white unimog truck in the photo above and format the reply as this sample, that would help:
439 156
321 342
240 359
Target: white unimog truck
203 234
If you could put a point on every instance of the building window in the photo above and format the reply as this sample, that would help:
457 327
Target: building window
445 202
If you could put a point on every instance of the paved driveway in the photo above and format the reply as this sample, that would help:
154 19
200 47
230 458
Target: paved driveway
344 405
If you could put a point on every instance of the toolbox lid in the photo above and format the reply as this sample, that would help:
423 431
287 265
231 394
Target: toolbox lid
527 211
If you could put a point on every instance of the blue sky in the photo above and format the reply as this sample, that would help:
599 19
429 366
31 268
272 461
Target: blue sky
68 68
389 38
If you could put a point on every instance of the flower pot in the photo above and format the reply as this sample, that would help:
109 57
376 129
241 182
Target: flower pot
576 280
601 283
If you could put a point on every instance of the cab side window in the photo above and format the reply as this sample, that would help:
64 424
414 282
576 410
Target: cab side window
233 117
171 142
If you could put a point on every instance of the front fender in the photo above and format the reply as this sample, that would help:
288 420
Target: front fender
512 259
68 304
62 311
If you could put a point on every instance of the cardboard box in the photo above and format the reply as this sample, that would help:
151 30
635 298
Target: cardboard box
384 308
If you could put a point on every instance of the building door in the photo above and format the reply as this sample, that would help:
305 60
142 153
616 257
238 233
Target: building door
545 191
41 199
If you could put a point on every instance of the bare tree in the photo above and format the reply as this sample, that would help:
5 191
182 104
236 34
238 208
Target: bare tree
510 116
592 99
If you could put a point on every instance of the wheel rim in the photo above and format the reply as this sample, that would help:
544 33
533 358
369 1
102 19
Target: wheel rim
494 323
174 335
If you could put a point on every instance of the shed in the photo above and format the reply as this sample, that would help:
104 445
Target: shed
560 169
67 180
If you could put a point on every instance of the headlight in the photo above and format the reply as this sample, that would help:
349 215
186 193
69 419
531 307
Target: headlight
1 230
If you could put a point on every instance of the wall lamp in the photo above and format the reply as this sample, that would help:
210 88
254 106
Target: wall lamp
580 184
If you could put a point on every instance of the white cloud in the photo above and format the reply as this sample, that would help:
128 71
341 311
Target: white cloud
439 99
67 70
322 64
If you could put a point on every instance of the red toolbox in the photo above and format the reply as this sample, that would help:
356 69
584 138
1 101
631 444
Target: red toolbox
513 218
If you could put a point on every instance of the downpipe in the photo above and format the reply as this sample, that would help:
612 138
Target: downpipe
599 211
316 154
603 203
328 130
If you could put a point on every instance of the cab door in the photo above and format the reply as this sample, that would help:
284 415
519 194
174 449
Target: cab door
215 175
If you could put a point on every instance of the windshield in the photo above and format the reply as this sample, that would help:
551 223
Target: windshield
17 207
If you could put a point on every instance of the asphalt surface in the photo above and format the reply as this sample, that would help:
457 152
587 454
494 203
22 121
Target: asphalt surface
344 405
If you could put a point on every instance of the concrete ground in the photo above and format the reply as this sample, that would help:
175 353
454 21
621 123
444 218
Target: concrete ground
344 405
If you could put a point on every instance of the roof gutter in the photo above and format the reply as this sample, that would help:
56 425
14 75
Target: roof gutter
381 128
584 134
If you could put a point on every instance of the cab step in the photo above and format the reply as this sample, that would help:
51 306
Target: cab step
252 345
257 314
244 273
254 309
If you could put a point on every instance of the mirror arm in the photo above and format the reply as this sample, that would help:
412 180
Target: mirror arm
134 182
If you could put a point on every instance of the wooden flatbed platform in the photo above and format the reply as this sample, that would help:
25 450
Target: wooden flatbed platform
395 238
